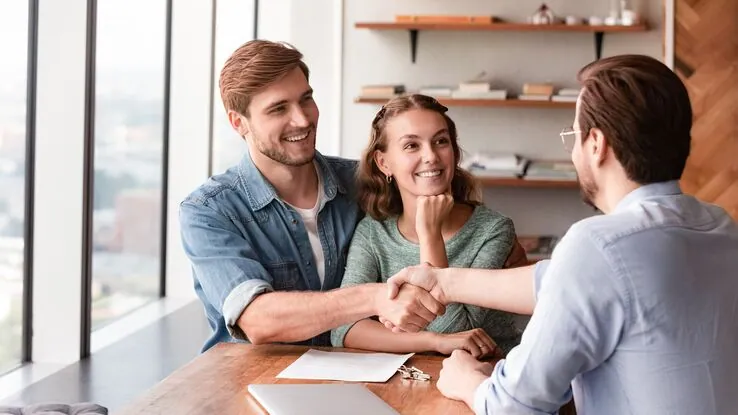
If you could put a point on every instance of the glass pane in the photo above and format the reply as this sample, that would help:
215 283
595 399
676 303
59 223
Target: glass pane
13 75
235 26
129 104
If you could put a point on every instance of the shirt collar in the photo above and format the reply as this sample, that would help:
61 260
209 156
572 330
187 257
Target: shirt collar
648 191
259 192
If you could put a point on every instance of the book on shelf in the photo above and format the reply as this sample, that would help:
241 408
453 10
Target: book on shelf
537 89
563 98
550 170
476 86
569 92
436 90
495 165
498 94
538 247
382 91
534 97
441 18
566 95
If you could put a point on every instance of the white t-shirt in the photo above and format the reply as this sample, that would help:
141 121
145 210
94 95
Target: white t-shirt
310 219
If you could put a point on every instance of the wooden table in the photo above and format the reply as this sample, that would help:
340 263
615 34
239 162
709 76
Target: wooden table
215 383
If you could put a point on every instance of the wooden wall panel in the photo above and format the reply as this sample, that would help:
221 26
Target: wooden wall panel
706 59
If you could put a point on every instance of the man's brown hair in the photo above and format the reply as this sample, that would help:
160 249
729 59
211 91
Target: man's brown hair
254 66
381 199
643 110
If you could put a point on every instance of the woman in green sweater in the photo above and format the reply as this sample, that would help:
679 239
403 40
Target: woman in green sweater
422 207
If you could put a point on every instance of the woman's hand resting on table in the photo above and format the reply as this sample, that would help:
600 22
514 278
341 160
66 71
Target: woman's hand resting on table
475 341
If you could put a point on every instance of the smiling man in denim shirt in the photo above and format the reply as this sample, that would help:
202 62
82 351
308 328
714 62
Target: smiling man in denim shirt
637 310
268 238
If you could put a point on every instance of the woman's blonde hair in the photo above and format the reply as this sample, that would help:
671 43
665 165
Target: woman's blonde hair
381 199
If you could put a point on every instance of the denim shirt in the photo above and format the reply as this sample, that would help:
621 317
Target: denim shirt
243 240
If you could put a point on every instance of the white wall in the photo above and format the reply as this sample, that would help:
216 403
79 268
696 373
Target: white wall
446 58
189 127
314 27
234 26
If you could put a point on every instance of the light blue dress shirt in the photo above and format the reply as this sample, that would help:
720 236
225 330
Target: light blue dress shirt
636 313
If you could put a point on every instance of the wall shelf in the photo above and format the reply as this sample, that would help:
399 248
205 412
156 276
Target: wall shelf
414 28
526 183
519 103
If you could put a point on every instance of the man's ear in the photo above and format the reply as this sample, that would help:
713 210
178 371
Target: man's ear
238 122
381 162
599 147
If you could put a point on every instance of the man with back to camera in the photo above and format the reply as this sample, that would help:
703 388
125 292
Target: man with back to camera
268 239
637 310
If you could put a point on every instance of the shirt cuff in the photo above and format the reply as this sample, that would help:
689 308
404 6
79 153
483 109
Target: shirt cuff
237 301
480 397
538 273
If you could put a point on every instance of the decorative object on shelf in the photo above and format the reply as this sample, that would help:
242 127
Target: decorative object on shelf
628 16
573 20
544 15
595 21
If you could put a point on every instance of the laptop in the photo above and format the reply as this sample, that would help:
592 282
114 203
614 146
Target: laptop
319 399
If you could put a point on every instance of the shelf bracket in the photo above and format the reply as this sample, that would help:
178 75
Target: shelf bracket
413 44
599 37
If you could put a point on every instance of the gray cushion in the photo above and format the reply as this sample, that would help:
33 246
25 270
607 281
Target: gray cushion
55 409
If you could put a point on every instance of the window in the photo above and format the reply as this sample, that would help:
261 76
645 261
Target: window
13 78
130 59
234 27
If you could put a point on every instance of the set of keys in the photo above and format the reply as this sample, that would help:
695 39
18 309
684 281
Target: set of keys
414 373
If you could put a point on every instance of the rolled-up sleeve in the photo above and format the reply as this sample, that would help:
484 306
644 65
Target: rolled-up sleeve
580 313
223 262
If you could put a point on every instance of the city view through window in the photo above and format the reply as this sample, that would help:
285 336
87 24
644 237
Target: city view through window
13 75
129 105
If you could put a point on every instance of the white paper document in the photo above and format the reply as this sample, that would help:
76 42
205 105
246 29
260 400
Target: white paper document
351 367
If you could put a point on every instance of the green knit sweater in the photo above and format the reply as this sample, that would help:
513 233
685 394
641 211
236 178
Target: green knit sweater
378 251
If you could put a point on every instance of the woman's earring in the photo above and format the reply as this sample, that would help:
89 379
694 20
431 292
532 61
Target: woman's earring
389 178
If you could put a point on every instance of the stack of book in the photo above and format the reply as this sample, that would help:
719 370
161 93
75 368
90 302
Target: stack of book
437 91
382 91
495 165
566 95
550 170
536 92
478 90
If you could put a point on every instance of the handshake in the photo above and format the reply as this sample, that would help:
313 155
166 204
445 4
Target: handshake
415 297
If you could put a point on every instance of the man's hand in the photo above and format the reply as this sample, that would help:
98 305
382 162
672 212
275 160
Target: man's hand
475 341
517 256
461 375
411 310
423 276
430 213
